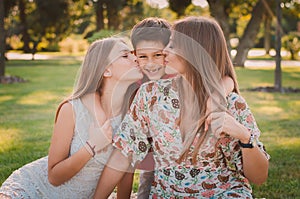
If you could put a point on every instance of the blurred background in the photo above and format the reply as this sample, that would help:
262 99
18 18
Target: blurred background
32 26
42 43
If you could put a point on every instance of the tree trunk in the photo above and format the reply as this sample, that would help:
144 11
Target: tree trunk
2 39
24 27
248 39
34 48
99 15
218 11
113 15
267 33
179 6
277 81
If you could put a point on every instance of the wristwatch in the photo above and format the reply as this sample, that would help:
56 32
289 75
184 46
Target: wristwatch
251 144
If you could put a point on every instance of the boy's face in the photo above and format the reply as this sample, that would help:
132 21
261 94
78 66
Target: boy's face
151 59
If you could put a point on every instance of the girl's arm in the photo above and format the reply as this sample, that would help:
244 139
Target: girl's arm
113 172
125 186
228 84
240 124
61 167
255 163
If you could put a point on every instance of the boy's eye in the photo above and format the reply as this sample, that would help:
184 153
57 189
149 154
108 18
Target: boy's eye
142 57
125 55
159 55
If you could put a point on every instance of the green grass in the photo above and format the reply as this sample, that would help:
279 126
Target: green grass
28 109
278 117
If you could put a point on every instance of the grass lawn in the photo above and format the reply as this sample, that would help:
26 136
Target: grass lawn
27 113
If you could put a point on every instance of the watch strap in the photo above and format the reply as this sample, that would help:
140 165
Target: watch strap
249 144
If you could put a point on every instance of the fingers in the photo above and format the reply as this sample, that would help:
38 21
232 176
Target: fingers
207 122
208 111
217 123
106 124
107 129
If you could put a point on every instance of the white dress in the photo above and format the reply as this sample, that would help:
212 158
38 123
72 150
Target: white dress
31 180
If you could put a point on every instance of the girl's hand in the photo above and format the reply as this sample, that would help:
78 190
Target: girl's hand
98 111
228 86
99 137
223 123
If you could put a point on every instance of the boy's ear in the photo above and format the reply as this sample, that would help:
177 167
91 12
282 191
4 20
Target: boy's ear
107 73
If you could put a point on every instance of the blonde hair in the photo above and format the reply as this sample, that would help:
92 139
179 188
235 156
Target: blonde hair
200 42
90 74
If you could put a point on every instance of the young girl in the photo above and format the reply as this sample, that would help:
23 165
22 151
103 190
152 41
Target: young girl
80 147
191 160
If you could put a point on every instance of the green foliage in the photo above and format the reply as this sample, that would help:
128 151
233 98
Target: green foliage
291 42
101 34
132 13
73 44
193 10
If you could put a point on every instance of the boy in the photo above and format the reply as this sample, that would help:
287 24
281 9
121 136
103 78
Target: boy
149 37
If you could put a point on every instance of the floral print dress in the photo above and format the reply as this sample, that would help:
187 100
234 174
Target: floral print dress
218 172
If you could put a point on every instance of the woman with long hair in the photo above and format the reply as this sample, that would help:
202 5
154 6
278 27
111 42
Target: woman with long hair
81 142
192 159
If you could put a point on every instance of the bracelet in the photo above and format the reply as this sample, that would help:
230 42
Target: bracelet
91 148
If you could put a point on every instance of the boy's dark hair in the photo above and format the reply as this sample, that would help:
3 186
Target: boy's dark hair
151 29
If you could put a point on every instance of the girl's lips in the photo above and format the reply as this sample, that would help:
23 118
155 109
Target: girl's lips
137 67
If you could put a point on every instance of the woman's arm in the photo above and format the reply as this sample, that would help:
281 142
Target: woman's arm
241 125
61 167
113 172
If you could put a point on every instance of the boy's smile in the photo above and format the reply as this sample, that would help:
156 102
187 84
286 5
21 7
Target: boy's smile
150 57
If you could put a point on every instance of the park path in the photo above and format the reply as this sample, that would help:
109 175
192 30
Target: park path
248 63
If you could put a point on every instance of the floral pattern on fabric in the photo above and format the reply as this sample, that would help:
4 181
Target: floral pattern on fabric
218 172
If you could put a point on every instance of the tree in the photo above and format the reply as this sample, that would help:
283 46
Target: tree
179 6
2 39
250 34
291 43
267 32
220 10
24 26
49 21
227 12
98 5
113 13
5 6
132 13
278 76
